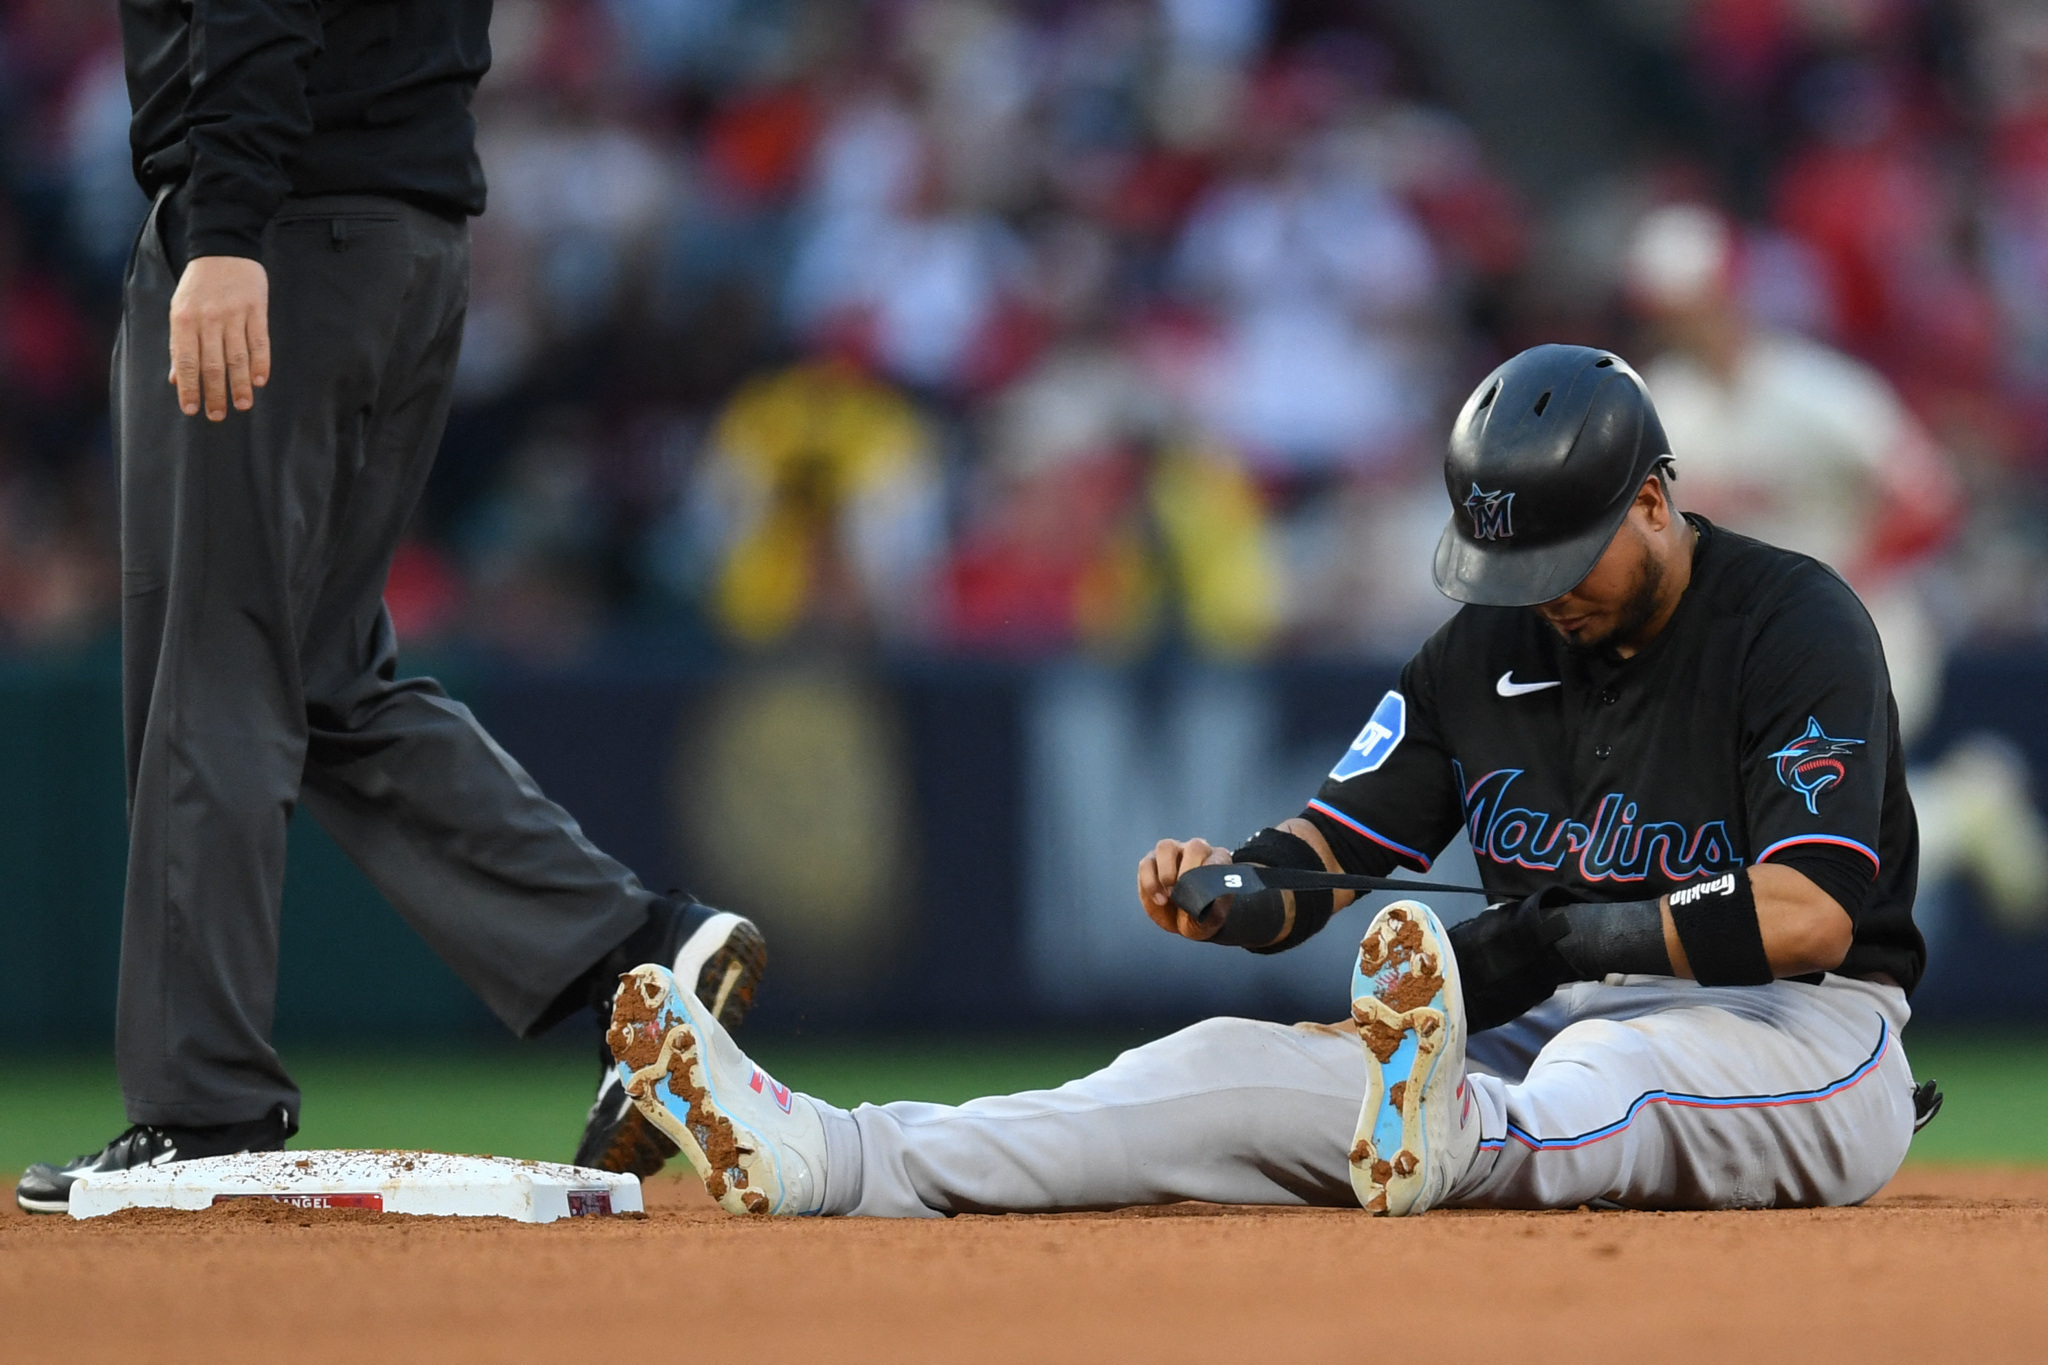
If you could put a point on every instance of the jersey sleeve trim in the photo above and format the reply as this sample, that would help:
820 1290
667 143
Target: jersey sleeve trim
1382 840
1835 839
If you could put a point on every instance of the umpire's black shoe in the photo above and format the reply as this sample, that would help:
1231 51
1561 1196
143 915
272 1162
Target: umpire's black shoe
47 1188
725 956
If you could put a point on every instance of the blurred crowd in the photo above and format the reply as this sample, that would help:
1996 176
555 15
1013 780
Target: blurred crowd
1118 325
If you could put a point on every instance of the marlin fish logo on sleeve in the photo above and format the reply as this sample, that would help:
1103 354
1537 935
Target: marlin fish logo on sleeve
1812 763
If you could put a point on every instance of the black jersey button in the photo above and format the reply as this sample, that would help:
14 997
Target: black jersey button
1610 696
1603 751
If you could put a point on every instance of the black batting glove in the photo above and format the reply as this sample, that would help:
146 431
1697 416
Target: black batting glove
1508 958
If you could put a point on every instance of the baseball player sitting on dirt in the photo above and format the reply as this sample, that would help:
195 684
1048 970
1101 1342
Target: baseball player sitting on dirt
1675 754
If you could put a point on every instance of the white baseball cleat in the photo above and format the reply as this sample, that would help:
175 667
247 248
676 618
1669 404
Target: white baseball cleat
724 956
759 1147
1418 1132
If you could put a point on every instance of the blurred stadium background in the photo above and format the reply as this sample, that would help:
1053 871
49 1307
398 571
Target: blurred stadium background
912 454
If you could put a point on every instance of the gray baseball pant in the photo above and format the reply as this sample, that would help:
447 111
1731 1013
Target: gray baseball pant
260 668
1647 1093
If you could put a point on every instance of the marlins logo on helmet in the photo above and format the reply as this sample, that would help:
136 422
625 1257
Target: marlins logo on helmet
1492 514
1812 763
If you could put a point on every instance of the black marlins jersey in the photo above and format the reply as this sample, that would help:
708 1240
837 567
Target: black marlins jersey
1758 726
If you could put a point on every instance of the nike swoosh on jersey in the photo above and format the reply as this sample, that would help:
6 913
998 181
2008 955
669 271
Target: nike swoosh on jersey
1508 687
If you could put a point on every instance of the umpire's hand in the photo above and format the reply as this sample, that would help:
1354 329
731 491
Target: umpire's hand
1161 868
220 334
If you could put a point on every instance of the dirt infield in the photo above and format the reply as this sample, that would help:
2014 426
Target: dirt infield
1946 1265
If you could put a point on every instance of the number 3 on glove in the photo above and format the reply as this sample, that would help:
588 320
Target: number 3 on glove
1202 886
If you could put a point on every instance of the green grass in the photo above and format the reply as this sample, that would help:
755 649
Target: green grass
530 1102
1997 1097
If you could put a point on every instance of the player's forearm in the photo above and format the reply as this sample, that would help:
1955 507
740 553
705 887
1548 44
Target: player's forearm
1313 837
1743 928
1803 929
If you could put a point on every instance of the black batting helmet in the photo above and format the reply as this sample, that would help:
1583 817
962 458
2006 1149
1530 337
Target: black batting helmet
1544 463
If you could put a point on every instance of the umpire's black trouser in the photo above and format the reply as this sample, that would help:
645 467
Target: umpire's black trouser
259 665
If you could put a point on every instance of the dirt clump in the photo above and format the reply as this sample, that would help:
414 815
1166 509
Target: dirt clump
1375 952
633 1037
1378 952
1413 990
1382 1038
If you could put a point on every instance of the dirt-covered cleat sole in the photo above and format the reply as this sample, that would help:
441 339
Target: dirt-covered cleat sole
1416 1129
758 1147
726 957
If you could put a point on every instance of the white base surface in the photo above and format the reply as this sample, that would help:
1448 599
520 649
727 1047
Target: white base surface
389 1182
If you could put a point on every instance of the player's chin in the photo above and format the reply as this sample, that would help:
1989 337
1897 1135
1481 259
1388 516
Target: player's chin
1582 632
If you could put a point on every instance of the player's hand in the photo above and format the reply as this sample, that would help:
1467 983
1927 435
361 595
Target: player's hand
220 334
1161 868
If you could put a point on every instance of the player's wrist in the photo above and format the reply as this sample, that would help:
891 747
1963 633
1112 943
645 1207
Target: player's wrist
1610 938
1717 928
1271 921
1257 921
1514 955
1505 962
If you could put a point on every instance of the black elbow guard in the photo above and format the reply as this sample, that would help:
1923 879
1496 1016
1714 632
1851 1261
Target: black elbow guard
1717 927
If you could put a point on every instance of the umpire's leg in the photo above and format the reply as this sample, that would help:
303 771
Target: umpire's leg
218 522
231 533
498 879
